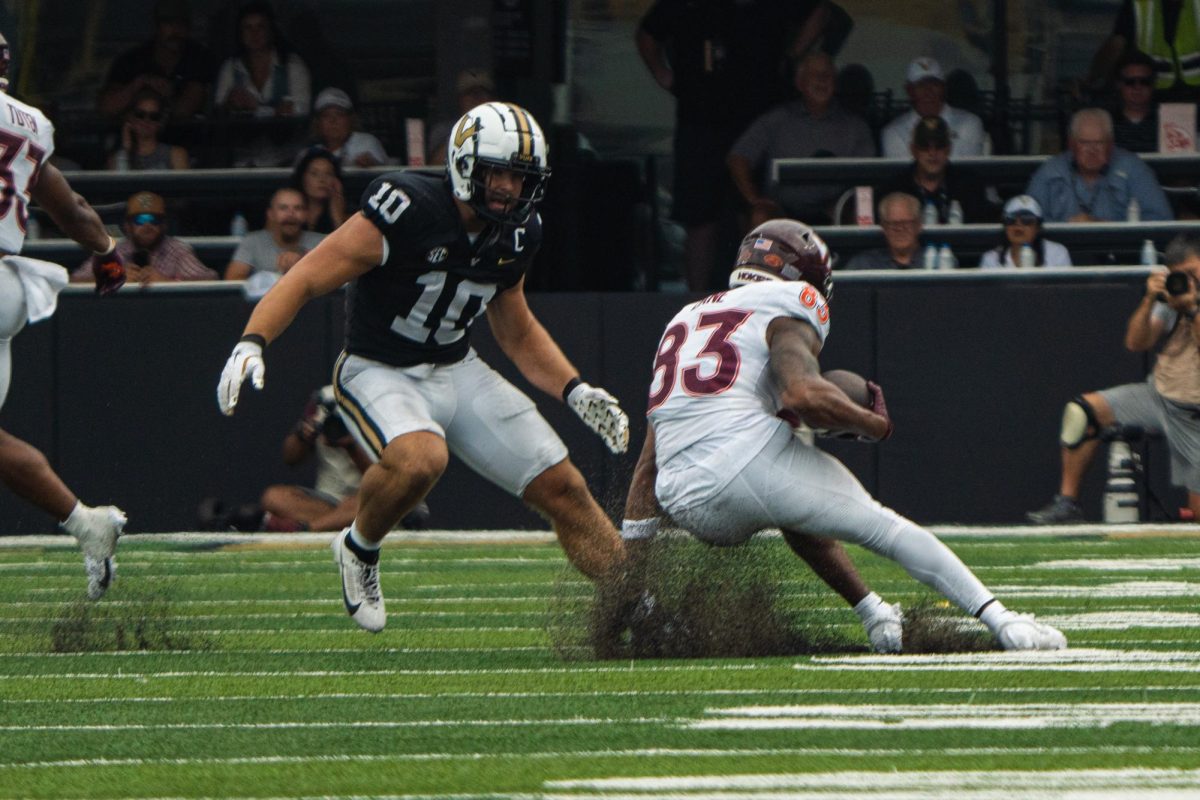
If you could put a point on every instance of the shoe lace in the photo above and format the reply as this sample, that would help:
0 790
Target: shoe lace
368 579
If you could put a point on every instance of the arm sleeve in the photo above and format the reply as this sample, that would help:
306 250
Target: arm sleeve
388 203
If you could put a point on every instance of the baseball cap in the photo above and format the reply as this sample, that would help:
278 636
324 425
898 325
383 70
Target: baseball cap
924 68
931 131
145 203
1023 204
473 78
333 98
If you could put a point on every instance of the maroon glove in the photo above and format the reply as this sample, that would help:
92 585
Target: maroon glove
109 270
879 406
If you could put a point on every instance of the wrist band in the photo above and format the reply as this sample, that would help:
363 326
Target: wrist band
255 339
571 384
112 247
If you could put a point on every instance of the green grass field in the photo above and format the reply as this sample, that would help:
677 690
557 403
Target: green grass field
256 684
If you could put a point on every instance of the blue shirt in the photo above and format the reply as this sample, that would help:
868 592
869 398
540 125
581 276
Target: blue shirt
1063 193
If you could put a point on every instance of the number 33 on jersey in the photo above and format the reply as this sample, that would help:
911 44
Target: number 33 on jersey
714 355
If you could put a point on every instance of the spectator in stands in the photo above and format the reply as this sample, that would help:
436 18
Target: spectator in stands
1094 180
332 503
1166 30
1135 123
172 64
150 254
318 175
1165 403
1023 226
263 256
140 146
333 126
263 78
926 87
718 90
472 87
811 126
900 218
937 182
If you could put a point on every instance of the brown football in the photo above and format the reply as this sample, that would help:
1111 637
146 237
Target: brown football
853 384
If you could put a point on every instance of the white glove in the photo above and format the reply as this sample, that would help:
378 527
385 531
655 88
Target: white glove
246 358
599 411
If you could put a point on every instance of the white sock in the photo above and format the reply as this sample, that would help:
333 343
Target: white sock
361 541
992 615
867 606
74 522
632 529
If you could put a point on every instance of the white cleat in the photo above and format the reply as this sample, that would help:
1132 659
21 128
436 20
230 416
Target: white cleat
885 628
101 572
1023 632
101 527
360 586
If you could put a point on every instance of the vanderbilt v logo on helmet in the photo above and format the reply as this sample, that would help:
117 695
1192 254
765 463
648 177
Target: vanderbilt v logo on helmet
498 136
466 129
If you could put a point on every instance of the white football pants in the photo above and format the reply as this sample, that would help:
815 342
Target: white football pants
12 320
795 486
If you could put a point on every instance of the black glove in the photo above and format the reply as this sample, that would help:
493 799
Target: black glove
109 271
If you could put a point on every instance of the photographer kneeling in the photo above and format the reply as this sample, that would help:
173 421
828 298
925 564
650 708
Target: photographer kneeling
1167 402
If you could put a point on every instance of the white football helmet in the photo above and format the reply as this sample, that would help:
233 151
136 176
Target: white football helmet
500 135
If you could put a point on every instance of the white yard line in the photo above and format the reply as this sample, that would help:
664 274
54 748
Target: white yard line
973 691
663 752
935 716
859 781
629 667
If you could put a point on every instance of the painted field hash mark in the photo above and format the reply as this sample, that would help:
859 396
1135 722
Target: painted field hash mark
422 712
946 715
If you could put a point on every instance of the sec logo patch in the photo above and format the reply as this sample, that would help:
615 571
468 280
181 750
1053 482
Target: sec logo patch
437 255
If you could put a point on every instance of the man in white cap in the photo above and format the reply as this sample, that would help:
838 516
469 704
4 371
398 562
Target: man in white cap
926 87
333 125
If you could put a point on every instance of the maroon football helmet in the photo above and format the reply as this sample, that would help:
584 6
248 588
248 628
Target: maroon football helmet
784 250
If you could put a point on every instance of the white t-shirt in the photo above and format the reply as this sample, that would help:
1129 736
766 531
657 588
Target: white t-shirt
29 137
1056 255
967 136
713 402
361 142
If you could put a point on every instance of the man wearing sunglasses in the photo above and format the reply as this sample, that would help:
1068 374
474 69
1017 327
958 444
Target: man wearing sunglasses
1135 123
149 253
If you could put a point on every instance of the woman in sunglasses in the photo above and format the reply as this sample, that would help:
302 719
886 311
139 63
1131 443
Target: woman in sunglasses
140 145
1023 226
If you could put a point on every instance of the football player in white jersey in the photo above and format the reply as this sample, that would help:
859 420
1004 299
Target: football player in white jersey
28 293
734 373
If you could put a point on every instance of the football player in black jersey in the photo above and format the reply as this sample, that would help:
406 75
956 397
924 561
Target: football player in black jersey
425 257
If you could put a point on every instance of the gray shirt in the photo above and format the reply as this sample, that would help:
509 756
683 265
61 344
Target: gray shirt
790 131
881 258
258 249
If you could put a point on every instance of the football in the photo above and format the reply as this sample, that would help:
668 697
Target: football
853 384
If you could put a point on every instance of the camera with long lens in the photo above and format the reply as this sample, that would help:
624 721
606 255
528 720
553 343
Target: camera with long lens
1178 283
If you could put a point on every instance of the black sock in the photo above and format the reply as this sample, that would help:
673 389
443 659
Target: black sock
366 556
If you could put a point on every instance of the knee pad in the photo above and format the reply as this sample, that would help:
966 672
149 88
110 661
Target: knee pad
1078 423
